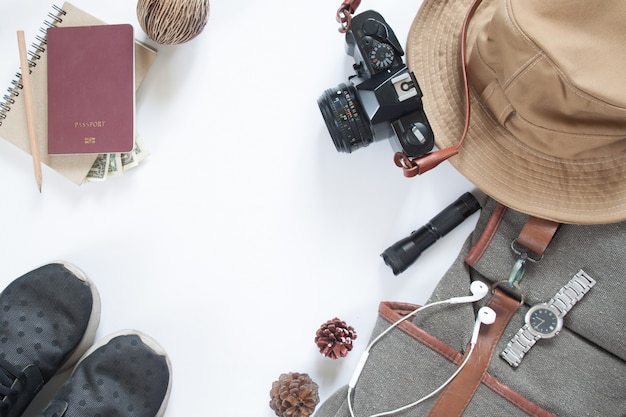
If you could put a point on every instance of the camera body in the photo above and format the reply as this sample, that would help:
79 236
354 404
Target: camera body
383 94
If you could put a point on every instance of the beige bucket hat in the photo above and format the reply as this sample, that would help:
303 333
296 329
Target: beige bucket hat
547 132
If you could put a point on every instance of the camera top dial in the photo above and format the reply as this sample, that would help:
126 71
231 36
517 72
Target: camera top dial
373 45
381 56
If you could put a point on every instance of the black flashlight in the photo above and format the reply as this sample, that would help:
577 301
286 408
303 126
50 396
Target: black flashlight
403 253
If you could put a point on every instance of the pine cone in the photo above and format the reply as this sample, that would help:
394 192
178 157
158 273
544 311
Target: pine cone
334 338
294 395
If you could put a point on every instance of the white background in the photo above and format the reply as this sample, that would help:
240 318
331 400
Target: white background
245 229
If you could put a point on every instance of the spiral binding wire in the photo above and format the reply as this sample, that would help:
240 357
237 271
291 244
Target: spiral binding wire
37 49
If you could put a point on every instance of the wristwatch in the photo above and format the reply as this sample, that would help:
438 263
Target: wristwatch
545 320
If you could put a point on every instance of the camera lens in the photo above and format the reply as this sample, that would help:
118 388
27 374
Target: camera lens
347 122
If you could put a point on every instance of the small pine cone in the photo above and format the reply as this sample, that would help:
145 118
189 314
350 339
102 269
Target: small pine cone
294 395
334 338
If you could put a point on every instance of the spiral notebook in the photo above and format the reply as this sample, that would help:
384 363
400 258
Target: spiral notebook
13 126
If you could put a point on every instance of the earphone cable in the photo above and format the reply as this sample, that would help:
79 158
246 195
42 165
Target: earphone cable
365 354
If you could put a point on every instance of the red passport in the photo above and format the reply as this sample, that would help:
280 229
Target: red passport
91 89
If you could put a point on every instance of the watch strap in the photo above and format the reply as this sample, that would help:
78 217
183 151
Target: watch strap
571 293
517 347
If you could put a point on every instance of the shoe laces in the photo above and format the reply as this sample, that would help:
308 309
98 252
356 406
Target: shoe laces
8 374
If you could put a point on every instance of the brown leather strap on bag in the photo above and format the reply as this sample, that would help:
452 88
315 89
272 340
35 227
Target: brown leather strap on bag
393 311
456 396
479 248
535 236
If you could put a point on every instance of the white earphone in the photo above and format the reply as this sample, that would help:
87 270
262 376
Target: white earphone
478 289
485 316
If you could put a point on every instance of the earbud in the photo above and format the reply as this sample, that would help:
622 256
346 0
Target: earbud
485 316
478 289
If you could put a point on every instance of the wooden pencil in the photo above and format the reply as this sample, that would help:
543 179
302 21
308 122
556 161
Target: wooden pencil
30 116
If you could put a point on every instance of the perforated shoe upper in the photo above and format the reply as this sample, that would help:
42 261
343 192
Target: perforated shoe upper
127 374
48 319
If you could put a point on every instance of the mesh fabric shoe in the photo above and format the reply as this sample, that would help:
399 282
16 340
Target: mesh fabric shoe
127 374
48 319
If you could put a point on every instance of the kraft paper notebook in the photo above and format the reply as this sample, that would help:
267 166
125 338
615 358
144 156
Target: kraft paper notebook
91 96
13 125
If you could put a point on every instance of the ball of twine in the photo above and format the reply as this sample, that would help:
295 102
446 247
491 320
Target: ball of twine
171 22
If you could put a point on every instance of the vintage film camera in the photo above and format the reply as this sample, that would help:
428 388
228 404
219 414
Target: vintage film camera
382 94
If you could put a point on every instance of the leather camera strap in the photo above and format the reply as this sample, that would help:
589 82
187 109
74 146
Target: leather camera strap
454 399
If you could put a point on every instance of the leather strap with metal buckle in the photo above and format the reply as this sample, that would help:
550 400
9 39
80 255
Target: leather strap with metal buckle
535 237
530 245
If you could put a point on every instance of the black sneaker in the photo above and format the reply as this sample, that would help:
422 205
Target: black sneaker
127 374
48 319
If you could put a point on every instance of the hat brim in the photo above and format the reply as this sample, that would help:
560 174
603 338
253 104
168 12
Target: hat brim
582 191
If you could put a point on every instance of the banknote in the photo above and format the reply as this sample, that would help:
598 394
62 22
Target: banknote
100 169
115 164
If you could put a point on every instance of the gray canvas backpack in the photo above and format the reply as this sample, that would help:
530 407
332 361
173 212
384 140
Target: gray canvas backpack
579 372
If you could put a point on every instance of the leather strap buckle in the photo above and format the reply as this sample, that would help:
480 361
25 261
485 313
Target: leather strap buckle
530 245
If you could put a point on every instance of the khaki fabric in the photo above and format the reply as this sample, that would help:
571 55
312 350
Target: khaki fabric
548 101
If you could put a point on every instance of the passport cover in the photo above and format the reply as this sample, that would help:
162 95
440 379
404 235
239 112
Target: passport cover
91 89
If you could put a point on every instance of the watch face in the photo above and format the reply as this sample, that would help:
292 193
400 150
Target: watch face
544 321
